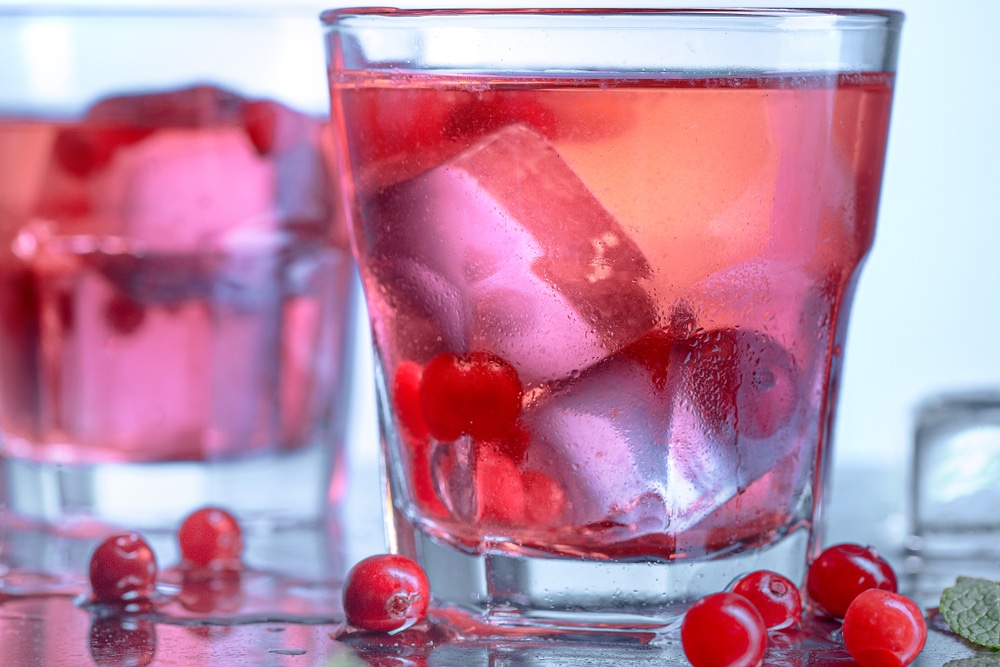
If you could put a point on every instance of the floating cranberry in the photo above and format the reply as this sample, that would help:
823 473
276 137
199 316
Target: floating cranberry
884 629
723 630
83 150
260 120
210 538
492 111
123 569
124 315
842 572
478 394
406 398
653 352
775 596
386 593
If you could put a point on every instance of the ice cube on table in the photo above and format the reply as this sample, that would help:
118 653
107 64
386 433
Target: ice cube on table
955 476
546 277
180 188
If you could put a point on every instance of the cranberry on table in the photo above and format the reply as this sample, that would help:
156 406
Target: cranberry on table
884 629
386 593
123 569
211 538
774 595
723 630
842 572
477 394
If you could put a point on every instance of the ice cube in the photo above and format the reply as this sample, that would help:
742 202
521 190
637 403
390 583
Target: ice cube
633 448
182 188
546 277
955 470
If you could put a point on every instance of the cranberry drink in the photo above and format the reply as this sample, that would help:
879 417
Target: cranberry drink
171 282
609 313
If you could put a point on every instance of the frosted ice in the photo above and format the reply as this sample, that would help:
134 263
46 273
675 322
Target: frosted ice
180 188
545 276
956 466
632 449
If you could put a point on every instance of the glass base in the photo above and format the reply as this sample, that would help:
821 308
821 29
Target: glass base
271 491
574 595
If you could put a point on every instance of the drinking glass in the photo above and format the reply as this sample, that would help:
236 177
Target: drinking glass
608 257
176 287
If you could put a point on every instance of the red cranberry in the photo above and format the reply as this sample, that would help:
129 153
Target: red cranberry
406 399
122 569
775 596
884 629
211 538
723 630
386 593
83 150
478 394
124 315
842 572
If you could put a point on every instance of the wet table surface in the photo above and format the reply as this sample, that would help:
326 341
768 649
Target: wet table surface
300 573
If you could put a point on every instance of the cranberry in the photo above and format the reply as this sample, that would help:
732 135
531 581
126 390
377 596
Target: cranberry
492 111
124 315
842 572
123 569
406 398
742 379
723 630
652 352
884 629
775 596
478 394
83 150
510 496
211 538
386 593
260 121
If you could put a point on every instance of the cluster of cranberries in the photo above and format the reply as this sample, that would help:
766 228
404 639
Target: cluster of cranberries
382 593
123 568
848 582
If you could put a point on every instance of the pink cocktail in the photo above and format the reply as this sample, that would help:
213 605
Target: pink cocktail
608 300
175 287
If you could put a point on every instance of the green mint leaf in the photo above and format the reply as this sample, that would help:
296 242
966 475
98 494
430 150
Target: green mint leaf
972 609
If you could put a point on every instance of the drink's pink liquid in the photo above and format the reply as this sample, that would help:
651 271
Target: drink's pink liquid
171 281
667 266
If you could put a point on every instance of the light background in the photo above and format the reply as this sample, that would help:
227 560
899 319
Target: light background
925 317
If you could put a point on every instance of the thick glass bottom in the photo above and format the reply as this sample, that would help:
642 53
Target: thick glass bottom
284 489
586 595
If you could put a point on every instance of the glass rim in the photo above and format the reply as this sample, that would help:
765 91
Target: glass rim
891 18
194 12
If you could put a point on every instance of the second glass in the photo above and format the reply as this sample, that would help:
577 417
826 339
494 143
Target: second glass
609 258
176 287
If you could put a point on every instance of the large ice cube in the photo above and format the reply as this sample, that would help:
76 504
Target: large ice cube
181 188
546 277
632 449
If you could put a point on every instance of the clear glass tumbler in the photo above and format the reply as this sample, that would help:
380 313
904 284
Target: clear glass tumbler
609 257
176 286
